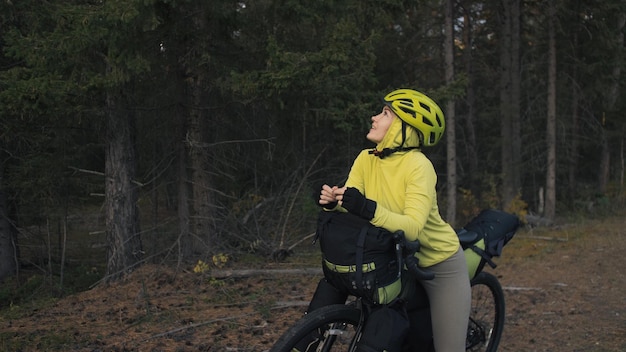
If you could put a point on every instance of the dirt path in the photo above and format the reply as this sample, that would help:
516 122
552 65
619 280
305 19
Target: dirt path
567 293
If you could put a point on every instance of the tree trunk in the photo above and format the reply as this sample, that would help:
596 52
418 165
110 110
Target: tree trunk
550 196
516 94
122 220
8 253
574 141
610 103
510 101
202 214
605 163
470 130
505 103
184 237
198 126
621 164
450 117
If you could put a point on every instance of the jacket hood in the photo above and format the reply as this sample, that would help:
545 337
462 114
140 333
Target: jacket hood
393 137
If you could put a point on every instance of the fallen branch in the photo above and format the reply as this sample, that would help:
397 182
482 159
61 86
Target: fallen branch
289 304
513 288
223 274
559 239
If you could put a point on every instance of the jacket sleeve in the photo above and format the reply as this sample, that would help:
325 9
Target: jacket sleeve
417 198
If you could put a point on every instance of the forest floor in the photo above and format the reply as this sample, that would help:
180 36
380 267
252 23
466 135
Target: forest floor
565 290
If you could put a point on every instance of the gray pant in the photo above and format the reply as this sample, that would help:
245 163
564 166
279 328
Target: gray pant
450 299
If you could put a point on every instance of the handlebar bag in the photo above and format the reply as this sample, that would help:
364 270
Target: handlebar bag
358 257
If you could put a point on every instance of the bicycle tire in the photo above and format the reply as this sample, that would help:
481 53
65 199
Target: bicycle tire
487 314
484 330
335 326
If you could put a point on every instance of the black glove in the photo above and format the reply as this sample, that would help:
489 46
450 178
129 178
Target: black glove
328 206
357 204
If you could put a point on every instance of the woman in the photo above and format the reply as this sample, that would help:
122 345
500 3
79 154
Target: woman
393 186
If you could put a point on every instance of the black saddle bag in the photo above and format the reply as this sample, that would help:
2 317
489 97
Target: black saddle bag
485 236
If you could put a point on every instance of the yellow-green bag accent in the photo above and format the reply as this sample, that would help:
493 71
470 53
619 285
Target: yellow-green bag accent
475 262
381 295
387 294
366 267
484 237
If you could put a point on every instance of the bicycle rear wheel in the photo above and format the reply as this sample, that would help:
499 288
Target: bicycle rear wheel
330 328
487 314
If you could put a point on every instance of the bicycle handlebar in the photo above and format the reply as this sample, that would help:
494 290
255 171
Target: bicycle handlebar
406 250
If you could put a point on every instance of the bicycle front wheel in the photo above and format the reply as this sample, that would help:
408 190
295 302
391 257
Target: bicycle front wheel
487 315
330 328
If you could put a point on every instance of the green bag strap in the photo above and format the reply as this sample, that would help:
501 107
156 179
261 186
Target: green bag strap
484 255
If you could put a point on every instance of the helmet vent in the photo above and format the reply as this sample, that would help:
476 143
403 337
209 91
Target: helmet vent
432 138
425 107
427 121
407 110
438 118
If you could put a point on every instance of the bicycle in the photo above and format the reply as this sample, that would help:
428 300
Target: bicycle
338 327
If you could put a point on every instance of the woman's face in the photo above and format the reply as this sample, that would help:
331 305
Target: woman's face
380 125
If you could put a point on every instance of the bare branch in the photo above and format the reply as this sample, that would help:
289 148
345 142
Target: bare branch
100 174
236 141
295 196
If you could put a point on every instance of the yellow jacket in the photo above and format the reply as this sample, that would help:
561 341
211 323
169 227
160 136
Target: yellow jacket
403 186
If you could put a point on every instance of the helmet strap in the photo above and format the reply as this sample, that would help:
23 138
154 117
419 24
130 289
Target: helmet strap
388 151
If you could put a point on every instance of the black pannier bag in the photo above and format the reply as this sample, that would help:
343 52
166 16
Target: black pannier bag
385 329
358 257
484 237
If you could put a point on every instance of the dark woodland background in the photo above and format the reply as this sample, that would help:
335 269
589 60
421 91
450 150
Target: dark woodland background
173 131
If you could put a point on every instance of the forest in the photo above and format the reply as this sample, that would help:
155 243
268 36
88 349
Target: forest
172 131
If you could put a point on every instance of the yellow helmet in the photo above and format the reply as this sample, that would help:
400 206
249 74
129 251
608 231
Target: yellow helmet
420 112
